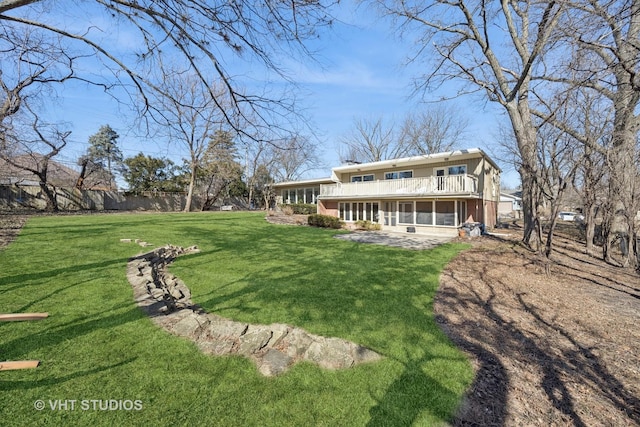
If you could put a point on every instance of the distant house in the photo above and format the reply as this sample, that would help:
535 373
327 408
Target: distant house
510 205
58 175
437 192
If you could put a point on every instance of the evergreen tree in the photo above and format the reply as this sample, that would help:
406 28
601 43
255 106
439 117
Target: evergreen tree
104 152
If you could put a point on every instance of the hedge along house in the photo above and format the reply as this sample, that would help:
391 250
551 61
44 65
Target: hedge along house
430 193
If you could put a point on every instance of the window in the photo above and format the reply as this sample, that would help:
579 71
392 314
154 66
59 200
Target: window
405 211
358 211
390 213
445 213
398 175
308 195
458 170
462 212
289 196
424 213
361 178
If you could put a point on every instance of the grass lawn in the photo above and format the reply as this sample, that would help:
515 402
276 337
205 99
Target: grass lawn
97 345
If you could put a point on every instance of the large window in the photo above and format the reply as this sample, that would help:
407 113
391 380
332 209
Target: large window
398 175
424 213
445 213
405 212
309 197
428 212
358 211
300 195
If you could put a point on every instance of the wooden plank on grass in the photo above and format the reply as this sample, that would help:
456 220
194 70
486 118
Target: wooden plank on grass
22 316
20 364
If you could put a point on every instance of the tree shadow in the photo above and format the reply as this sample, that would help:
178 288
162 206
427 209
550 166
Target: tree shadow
472 313
6 385
411 394
56 334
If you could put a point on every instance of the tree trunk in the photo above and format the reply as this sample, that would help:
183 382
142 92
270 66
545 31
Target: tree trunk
192 184
526 138
50 194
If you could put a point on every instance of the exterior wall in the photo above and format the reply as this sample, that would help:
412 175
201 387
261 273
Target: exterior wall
474 167
491 213
328 208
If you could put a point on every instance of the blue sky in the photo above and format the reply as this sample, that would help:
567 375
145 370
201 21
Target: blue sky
358 74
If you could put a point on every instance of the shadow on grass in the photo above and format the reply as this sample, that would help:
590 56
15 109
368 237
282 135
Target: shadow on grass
56 334
411 394
45 382
39 275
377 296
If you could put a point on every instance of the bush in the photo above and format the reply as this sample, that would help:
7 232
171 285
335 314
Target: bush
368 225
303 209
287 210
325 221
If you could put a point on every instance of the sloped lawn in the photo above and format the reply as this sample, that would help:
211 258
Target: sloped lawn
98 346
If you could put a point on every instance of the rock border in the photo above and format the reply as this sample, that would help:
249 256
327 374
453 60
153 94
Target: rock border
273 348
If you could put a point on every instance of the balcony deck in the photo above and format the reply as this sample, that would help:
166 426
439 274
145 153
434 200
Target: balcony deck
405 187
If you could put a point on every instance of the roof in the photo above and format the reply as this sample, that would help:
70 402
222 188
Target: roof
506 197
315 181
470 153
57 174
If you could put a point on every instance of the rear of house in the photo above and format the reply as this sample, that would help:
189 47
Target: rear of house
430 193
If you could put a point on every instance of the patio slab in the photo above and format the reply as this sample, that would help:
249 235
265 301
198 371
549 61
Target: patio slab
401 240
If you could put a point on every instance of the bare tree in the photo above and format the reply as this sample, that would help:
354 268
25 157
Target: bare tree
30 65
200 35
187 116
601 54
490 47
436 130
559 159
31 146
610 46
371 140
293 157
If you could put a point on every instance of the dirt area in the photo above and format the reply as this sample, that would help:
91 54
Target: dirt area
10 226
560 349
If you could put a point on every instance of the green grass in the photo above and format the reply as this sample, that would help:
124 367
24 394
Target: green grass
97 344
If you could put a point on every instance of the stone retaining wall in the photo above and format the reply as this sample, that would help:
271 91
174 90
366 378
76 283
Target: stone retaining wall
274 348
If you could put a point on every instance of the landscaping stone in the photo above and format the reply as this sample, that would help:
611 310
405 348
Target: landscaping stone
273 348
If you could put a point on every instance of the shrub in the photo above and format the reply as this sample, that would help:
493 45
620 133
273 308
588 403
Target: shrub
304 208
325 221
368 225
287 210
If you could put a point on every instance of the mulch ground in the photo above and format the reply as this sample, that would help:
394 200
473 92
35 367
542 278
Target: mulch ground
560 349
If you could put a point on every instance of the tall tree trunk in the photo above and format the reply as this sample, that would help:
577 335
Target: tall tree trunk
525 134
192 184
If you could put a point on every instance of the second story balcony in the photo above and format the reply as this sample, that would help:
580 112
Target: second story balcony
426 186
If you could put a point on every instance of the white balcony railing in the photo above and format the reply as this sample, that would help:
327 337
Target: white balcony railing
432 185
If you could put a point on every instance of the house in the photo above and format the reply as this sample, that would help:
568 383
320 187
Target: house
510 205
429 193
